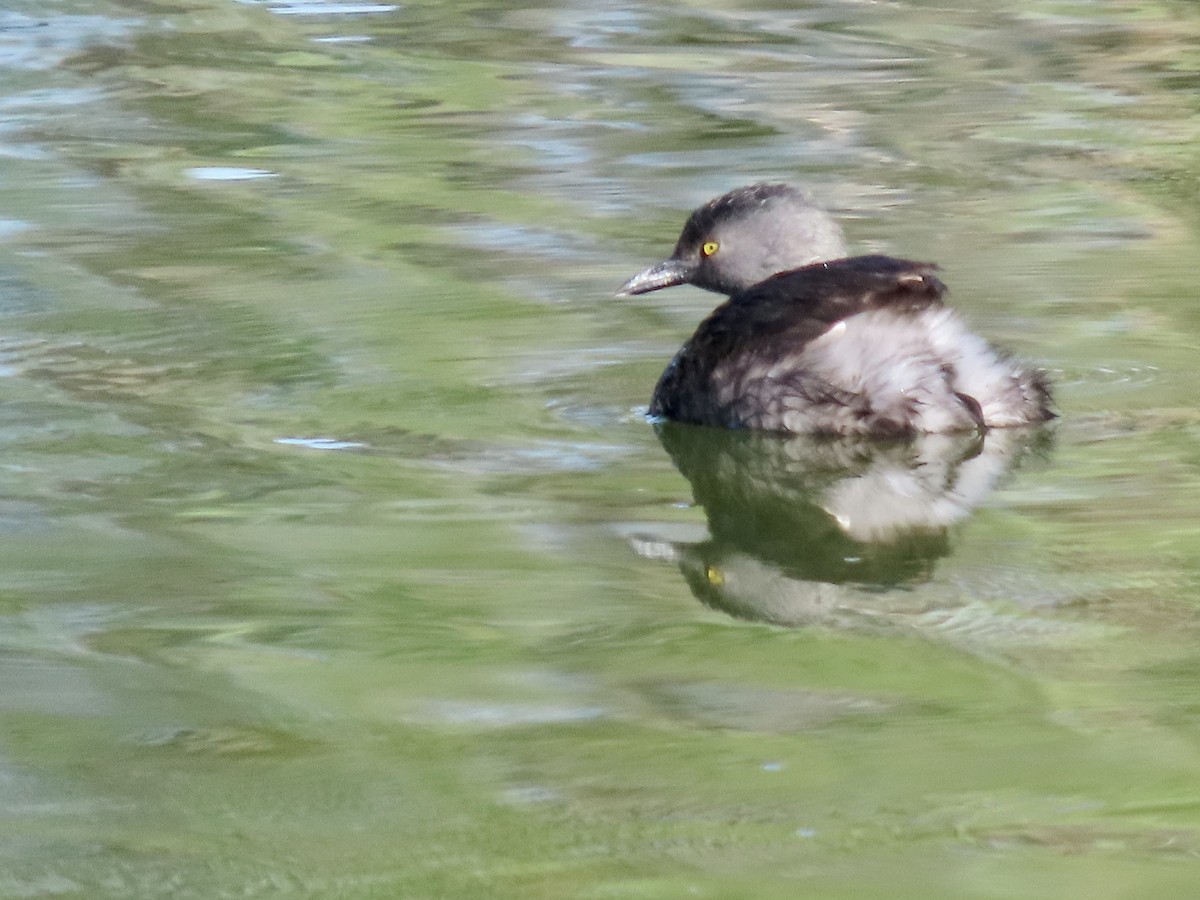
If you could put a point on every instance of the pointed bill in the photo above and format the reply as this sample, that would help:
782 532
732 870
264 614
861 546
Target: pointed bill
667 273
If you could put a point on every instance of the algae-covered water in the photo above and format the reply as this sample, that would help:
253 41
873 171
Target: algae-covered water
339 558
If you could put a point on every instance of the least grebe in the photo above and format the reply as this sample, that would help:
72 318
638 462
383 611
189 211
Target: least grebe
811 340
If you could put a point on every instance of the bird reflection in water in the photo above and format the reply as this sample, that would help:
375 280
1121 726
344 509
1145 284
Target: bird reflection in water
807 530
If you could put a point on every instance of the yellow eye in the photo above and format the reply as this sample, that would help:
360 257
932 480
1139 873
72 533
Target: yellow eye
715 576
709 248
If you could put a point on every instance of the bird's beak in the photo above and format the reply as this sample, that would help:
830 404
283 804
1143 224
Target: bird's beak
667 273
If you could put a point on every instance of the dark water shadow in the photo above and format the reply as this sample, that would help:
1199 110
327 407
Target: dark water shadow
793 521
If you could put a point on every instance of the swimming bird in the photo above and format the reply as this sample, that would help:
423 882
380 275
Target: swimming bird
811 340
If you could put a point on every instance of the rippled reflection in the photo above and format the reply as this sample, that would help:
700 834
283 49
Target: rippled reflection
794 519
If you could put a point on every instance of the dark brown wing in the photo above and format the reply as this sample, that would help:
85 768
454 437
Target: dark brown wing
830 291
777 317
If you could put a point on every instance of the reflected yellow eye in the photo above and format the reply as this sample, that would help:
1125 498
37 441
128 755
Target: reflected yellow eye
715 576
709 248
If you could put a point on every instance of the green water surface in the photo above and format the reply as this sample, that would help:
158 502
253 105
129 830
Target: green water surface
339 559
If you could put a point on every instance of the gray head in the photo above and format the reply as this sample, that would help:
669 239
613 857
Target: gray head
737 240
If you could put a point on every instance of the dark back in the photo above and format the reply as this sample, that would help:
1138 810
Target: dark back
781 314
